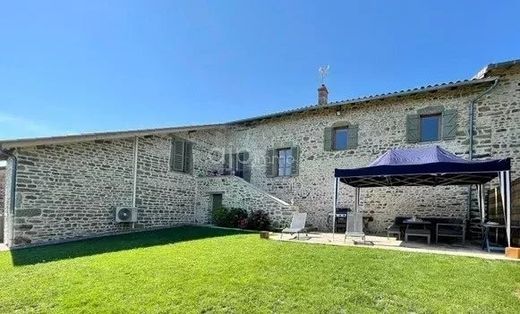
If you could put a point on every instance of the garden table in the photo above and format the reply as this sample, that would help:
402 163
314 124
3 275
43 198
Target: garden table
414 231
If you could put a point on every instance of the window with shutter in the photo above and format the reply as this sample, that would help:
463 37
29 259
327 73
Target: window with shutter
227 164
431 124
327 139
177 155
271 163
295 154
412 128
188 157
181 156
340 136
282 162
244 166
449 124
352 141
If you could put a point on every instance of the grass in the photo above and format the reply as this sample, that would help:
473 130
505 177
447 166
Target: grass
196 269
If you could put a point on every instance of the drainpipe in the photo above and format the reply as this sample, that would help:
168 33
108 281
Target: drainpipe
12 196
134 187
471 127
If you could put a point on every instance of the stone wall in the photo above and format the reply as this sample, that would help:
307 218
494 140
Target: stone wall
72 190
497 120
382 126
237 193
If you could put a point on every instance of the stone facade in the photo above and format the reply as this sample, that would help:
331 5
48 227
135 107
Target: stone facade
2 190
70 190
237 193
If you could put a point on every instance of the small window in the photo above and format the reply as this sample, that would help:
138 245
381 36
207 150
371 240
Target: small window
285 160
181 156
340 139
430 128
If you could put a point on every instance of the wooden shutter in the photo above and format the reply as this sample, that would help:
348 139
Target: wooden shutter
188 157
177 155
327 139
243 159
227 164
295 152
449 124
412 128
271 163
352 133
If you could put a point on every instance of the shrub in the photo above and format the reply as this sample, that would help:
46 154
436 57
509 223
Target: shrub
230 217
259 220
220 216
236 217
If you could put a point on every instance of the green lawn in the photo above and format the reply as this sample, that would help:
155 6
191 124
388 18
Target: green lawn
195 269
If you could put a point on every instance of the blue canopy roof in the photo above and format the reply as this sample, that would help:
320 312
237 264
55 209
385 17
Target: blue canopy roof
422 166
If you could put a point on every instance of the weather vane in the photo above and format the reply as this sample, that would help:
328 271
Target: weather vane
324 71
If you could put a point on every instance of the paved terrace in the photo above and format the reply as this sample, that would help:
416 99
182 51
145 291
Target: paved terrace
380 242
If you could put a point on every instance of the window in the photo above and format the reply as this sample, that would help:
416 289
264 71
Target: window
238 164
340 139
340 136
433 123
430 128
181 156
282 161
285 160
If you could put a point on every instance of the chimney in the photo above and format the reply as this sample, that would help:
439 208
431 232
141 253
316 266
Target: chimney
323 95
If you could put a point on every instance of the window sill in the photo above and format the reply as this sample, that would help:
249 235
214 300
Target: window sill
341 150
181 172
430 142
282 177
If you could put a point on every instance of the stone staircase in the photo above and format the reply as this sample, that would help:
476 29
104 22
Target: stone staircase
238 193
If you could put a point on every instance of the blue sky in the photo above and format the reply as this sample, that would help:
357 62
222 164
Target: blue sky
83 66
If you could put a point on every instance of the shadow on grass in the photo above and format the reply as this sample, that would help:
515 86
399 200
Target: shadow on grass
49 253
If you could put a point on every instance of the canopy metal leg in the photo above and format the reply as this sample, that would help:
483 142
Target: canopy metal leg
508 207
481 203
356 200
505 193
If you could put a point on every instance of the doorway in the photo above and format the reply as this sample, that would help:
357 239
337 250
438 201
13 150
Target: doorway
216 201
238 164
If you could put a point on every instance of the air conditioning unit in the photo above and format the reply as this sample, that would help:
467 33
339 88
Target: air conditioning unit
126 214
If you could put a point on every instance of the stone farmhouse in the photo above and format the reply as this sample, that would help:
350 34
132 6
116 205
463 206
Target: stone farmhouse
69 187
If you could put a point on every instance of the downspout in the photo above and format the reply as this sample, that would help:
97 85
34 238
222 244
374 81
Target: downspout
471 127
134 187
12 196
